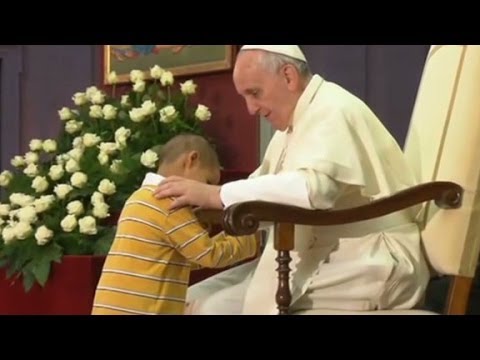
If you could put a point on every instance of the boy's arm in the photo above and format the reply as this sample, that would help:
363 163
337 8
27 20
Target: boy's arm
195 244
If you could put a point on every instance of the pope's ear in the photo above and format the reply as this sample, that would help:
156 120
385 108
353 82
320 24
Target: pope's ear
290 75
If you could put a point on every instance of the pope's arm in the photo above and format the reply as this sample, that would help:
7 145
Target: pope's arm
308 189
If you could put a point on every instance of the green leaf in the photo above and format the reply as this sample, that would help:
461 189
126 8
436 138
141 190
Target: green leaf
103 244
41 271
43 260
28 281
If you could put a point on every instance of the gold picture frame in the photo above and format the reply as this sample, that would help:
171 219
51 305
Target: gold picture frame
181 60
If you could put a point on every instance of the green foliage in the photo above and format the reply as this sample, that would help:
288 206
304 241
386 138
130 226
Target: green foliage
104 149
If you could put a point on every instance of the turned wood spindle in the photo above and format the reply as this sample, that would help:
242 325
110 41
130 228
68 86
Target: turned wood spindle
284 243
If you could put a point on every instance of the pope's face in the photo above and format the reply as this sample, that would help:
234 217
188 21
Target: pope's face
266 93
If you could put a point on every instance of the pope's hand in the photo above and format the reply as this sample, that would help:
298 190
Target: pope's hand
189 192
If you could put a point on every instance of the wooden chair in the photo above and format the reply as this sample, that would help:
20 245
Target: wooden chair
442 147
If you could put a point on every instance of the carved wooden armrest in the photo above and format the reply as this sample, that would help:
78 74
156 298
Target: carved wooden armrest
244 219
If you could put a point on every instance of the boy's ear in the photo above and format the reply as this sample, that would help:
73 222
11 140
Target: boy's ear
191 159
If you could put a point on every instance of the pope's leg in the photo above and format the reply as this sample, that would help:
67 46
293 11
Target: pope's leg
222 293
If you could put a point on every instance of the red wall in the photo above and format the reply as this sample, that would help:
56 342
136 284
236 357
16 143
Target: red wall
236 133
234 130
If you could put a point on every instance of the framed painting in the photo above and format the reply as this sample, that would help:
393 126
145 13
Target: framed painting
181 60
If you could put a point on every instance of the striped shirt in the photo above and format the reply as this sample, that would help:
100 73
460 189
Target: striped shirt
147 269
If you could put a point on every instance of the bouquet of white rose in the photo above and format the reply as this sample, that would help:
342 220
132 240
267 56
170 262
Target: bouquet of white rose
62 196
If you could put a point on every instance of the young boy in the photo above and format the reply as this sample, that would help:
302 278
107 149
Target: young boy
148 266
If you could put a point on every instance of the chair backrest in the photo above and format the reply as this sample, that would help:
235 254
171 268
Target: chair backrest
443 144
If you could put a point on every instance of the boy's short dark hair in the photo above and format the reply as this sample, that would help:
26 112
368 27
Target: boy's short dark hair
180 144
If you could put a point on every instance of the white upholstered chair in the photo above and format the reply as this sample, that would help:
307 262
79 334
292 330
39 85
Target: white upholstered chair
443 147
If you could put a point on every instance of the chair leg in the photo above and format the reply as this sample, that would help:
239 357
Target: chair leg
458 295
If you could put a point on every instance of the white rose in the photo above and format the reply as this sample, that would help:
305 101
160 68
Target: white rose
73 126
109 112
5 178
139 86
121 136
77 142
188 87
116 166
40 184
18 161
102 158
22 230
100 210
8 234
98 98
76 153
88 225
69 223
35 144
75 208
31 157
156 72
72 165
149 107
112 78
90 140
168 114
125 101
65 114
137 114
97 198
136 75
56 172
43 235
149 159
43 203
4 209
203 113
62 159
79 98
90 91
79 179
31 170
167 78
108 148
107 187
49 146
21 199
62 190
27 214
96 112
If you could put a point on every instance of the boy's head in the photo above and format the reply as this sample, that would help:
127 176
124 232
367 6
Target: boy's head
189 156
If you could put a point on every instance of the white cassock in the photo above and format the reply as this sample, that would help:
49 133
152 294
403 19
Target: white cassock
336 154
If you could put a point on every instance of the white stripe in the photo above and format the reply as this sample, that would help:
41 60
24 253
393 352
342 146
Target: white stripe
142 222
193 239
180 226
144 203
156 278
158 261
204 253
148 241
122 309
136 293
